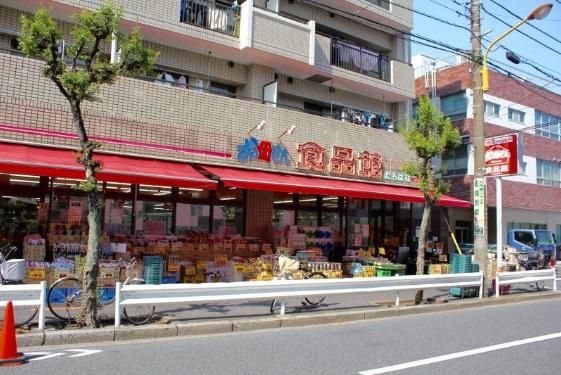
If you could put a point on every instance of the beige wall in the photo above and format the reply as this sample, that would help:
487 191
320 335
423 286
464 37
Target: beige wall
138 110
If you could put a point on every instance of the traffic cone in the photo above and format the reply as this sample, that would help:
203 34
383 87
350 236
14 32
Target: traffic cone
9 355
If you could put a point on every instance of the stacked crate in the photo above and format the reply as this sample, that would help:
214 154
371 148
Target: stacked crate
153 269
460 263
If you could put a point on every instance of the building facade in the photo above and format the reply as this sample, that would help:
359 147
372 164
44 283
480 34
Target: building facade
260 115
530 199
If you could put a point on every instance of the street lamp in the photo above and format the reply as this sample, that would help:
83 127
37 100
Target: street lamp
539 13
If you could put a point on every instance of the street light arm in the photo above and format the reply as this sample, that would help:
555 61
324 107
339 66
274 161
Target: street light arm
484 69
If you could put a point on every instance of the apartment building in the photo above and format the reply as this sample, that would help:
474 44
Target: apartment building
260 114
531 199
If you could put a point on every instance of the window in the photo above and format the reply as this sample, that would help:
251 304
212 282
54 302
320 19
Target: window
454 106
548 125
456 162
516 116
548 173
491 109
524 237
222 89
414 110
511 225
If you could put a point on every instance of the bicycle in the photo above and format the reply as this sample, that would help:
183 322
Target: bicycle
65 297
284 269
23 315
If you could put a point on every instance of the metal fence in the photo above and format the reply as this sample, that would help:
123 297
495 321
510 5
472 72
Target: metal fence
134 295
361 60
210 15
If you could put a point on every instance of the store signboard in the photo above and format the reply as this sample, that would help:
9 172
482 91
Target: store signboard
397 176
343 161
253 149
502 155
479 206
74 212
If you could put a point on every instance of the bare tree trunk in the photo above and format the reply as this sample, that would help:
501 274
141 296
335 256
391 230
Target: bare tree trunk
421 248
88 313
88 308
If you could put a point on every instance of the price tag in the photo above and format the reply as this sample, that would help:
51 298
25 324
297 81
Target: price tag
36 273
254 247
221 259
239 267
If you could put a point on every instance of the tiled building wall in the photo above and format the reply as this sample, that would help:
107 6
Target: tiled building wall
259 213
162 14
135 109
281 36
380 39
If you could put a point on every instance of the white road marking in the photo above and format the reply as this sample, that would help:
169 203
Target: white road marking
47 356
83 352
447 357
39 356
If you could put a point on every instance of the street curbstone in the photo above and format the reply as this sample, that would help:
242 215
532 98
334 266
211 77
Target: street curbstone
79 336
204 328
423 309
145 332
341 317
300 320
255 324
30 339
382 313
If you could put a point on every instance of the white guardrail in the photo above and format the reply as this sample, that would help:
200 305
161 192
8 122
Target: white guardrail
518 277
26 295
130 295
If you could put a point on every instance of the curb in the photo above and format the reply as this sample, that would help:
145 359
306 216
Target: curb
181 329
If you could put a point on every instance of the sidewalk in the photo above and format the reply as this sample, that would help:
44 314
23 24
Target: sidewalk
212 318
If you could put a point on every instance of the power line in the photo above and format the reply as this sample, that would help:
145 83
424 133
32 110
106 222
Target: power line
460 14
520 18
521 32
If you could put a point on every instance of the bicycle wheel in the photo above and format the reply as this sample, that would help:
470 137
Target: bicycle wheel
22 315
275 306
140 314
65 298
316 300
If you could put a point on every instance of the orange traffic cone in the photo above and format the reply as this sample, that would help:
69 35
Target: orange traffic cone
9 355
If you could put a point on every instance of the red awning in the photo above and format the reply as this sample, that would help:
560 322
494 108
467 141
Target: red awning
288 183
41 161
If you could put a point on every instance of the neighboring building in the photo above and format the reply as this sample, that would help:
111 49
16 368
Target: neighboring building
531 199
424 64
339 83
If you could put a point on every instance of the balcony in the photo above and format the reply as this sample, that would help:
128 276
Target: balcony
366 72
361 60
393 13
275 40
210 15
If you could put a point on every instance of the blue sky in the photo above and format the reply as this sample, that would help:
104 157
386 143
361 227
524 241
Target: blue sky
540 55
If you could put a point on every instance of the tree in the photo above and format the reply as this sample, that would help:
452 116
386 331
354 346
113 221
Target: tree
430 136
79 77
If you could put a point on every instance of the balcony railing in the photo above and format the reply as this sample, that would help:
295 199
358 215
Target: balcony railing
380 3
361 60
206 13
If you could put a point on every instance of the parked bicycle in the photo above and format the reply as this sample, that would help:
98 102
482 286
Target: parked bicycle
285 268
65 297
12 273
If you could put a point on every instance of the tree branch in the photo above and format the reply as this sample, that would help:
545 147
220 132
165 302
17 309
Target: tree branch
89 62
54 66
78 52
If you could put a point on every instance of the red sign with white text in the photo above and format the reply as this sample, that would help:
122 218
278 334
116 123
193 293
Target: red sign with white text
501 155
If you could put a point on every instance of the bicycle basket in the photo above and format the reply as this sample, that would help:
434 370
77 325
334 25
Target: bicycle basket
287 264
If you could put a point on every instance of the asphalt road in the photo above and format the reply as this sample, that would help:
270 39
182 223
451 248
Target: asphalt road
472 341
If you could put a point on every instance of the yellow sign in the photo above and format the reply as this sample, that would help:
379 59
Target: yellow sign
190 270
201 265
36 273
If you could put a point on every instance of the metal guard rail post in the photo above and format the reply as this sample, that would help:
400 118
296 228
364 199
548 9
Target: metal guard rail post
518 277
24 295
128 295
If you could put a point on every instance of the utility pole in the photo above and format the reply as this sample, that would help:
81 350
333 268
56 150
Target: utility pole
479 188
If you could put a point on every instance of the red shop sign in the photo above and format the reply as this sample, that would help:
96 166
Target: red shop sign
501 155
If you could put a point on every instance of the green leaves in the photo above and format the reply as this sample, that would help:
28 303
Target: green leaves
135 58
85 68
431 135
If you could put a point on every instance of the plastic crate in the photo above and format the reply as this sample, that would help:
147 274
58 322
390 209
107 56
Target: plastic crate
383 273
464 292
